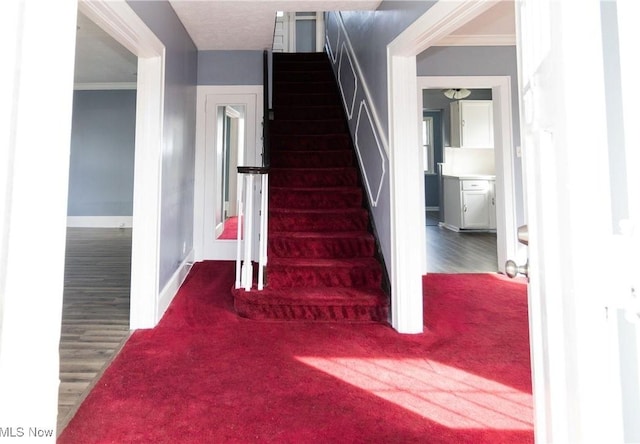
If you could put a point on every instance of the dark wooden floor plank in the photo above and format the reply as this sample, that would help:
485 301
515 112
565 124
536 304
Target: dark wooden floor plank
95 318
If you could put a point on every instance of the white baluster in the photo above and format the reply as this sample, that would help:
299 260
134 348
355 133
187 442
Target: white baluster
264 217
247 265
241 178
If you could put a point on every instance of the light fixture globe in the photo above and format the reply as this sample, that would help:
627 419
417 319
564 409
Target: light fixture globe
457 93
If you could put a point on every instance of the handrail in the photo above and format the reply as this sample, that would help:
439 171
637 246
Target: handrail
266 111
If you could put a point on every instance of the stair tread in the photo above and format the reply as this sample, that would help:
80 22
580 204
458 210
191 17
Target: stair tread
369 262
345 189
312 169
317 296
354 210
321 234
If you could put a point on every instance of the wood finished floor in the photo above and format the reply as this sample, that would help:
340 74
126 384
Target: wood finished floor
95 313
461 252
95 320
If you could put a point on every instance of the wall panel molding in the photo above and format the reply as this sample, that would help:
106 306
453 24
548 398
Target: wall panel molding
342 83
366 172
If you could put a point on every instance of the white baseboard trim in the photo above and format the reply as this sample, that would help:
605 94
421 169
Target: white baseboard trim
100 221
171 289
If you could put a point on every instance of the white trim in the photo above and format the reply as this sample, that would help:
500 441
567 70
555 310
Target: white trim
406 176
477 40
373 200
104 86
365 88
355 83
333 53
438 22
120 21
100 221
173 285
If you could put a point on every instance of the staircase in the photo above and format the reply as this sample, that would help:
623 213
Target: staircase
321 264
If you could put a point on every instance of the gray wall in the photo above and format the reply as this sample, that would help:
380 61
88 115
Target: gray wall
102 153
370 32
178 151
481 61
229 67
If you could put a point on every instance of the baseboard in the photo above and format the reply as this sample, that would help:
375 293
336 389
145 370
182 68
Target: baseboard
171 288
100 221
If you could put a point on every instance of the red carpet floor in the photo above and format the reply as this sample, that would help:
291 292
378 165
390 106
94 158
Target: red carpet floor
205 375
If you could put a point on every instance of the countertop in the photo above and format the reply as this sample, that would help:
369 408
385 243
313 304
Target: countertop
471 176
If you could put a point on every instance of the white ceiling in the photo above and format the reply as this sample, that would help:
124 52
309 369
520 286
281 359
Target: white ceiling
248 25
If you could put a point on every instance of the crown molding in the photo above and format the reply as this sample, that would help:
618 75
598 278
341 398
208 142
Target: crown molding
477 40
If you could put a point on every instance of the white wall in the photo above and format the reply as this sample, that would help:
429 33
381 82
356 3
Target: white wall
33 204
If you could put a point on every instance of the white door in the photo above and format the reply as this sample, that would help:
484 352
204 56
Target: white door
574 270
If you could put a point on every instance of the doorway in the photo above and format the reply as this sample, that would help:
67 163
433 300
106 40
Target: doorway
228 135
450 251
118 20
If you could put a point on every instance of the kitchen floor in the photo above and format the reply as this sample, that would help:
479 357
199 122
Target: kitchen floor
459 252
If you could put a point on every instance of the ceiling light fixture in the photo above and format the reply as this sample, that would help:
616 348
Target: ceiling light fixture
456 93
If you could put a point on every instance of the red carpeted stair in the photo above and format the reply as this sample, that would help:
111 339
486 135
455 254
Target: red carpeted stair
321 252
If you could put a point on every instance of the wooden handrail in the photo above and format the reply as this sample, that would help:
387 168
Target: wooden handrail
266 112
253 170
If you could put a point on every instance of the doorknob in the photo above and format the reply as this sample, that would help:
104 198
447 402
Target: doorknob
510 267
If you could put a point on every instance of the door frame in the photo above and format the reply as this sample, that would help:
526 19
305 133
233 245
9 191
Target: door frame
506 221
209 97
407 218
118 20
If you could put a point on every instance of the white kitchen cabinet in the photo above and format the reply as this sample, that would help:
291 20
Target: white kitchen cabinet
472 124
469 203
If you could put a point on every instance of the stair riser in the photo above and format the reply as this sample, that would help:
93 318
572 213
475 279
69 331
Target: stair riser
285 277
310 199
311 178
328 87
310 113
286 100
308 127
307 66
318 223
341 313
301 159
321 248
298 76
325 142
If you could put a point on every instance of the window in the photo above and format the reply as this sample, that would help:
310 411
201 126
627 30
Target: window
427 145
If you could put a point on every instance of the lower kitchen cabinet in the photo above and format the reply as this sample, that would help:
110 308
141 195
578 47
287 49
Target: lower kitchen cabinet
469 203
